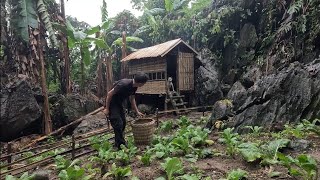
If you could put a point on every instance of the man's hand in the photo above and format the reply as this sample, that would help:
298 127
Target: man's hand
140 114
106 111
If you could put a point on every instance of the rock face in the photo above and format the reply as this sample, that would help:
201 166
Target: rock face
19 108
207 84
248 36
289 95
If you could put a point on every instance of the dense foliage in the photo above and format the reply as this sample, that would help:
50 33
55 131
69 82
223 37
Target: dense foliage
291 26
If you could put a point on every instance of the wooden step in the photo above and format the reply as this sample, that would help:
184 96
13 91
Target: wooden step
181 104
182 112
176 97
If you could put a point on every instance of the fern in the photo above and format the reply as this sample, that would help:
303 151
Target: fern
295 7
285 28
44 15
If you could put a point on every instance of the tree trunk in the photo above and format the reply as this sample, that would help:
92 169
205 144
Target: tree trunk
124 54
82 71
124 44
46 111
65 79
109 73
99 74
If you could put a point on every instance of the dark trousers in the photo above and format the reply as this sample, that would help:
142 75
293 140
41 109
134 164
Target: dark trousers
118 122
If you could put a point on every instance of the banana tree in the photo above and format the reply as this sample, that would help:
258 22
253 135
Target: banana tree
83 40
159 22
29 24
107 55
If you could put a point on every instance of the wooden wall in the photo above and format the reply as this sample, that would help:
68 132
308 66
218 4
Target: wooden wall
150 66
185 71
147 65
153 87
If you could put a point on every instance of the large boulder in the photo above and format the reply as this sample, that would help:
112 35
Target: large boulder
66 109
292 94
19 108
91 123
207 83
146 109
221 110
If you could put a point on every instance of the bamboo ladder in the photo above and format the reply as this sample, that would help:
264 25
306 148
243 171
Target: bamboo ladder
175 99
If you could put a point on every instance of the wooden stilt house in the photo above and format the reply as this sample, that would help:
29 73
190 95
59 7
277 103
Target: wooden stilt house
170 67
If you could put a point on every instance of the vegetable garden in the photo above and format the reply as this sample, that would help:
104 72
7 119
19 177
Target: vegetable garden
182 149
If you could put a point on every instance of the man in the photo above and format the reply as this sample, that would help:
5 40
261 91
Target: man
123 89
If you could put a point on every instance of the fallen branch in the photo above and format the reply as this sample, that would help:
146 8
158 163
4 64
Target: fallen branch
63 128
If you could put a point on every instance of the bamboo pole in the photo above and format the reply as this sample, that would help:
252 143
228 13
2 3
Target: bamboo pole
63 128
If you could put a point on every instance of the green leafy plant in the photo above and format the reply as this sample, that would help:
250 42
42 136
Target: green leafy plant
255 130
190 177
31 160
63 163
304 165
270 150
91 170
191 157
274 174
298 131
166 126
45 17
311 126
182 144
197 135
123 156
163 148
126 154
73 173
250 151
51 139
308 164
146 158
24 176
200 136
105 152
100 142
119 173
172 166
237 174
203 120
231 140
184 121
41 156
204 153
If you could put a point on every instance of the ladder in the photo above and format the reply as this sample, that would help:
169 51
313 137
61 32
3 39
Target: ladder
175 99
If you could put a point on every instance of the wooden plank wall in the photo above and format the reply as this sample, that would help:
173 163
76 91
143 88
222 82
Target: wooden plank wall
153 87
185 71
147 65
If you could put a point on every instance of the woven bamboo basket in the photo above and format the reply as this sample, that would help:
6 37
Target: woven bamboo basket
143 130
